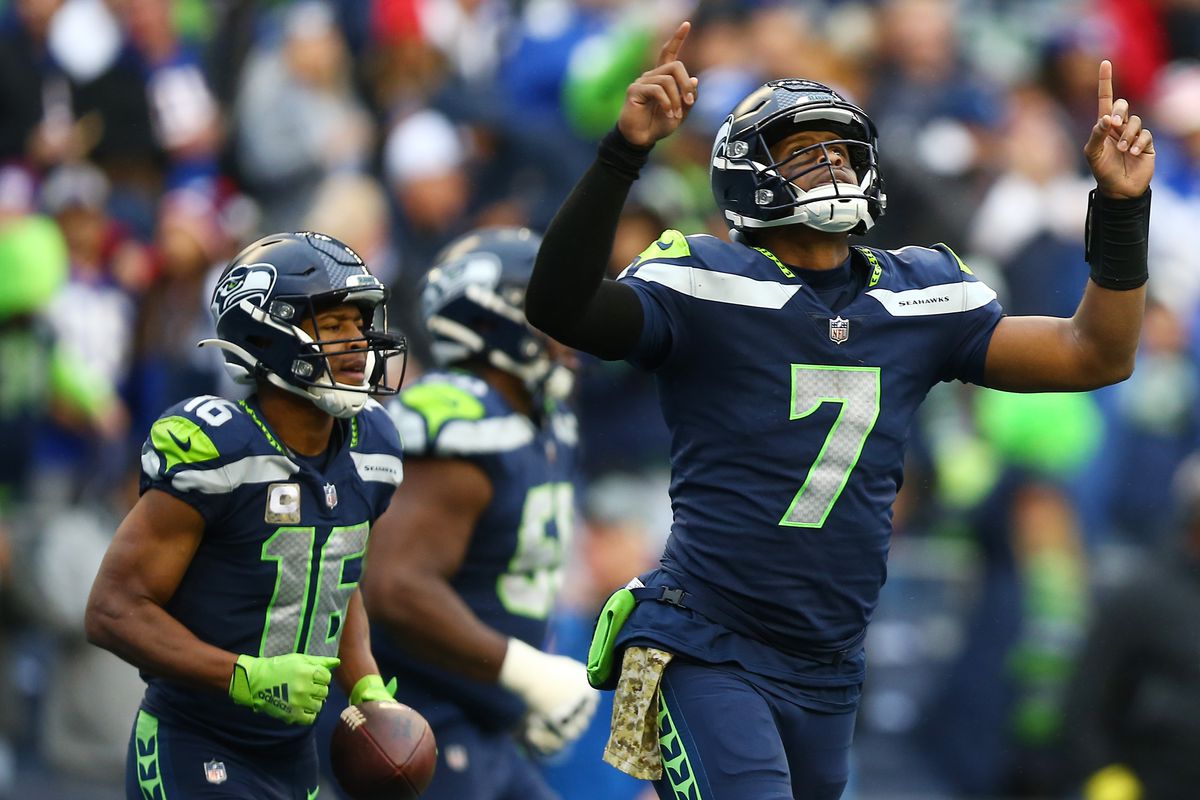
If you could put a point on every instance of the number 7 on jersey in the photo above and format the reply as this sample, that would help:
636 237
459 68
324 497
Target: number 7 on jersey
856 389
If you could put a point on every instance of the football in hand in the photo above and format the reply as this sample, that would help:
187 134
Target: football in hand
383 750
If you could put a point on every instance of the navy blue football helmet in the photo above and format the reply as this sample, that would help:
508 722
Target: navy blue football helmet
270 288
750 187
473 302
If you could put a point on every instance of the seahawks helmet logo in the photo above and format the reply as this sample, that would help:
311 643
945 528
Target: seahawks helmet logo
252 282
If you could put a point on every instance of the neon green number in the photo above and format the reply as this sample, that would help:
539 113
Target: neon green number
856 389
295 591
535 572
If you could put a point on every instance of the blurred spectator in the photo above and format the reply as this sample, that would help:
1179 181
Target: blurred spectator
469 35
1174 236
1067 70
183 110
425 161
353 207
49 115
1134 705
1030 221
936 121
297 118
94 315
1153 422
199 229
788 40
39 375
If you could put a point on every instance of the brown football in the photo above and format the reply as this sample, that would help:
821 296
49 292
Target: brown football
383 751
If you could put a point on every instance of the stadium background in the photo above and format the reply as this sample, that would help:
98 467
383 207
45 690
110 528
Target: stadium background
143 142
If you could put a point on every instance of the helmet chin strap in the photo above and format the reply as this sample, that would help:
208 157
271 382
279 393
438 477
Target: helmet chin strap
832 208
342 403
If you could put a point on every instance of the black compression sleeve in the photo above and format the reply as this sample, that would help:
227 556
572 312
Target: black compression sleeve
1116 237
568 297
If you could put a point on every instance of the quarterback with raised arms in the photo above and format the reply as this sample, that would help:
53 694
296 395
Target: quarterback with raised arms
790 364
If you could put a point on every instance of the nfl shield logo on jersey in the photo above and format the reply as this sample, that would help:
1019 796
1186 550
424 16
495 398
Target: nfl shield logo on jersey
330 495
214 771
839 330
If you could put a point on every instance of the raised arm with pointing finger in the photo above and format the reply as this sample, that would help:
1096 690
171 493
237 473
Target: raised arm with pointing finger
790 365
576 306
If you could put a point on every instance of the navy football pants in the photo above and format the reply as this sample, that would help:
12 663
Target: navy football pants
167 762
724 736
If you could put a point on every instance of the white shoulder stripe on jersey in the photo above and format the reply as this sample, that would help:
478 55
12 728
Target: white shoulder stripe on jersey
946 298
379 467
252 469
478 437
721 287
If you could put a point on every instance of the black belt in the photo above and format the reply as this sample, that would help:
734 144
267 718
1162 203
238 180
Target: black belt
681 598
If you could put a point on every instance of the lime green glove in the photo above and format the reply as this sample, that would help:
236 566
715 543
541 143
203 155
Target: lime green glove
371 688
291 688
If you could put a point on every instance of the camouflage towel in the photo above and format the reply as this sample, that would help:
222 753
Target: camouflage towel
633 741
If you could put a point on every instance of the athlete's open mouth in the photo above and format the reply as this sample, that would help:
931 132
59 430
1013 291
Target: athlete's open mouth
350 370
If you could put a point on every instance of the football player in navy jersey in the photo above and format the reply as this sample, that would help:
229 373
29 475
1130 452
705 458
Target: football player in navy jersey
465 568
232 583
789 366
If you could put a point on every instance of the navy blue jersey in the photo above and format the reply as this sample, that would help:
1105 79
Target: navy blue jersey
283 541
511 572
788 424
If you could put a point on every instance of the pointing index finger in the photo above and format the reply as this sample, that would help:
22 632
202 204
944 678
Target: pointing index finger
1106 89
670 50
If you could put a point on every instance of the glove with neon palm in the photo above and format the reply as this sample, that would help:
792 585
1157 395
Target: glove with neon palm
291 687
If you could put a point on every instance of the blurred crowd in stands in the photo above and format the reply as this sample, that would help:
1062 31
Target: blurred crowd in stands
144 142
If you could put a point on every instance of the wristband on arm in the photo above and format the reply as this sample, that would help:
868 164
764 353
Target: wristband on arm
622 157
1115 240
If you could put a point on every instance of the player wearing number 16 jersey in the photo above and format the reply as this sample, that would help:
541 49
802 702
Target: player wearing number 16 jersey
790 366
465 567
232 583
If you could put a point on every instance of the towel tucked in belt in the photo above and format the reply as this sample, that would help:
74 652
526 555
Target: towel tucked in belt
633 739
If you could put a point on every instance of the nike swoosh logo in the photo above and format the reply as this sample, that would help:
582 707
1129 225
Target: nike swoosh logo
663 245
184 446
313 793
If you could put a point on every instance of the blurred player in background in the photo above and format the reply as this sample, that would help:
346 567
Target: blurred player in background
465 570
232 583
789 367
1132 721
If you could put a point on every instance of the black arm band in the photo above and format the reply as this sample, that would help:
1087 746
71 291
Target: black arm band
624 158
1115 239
